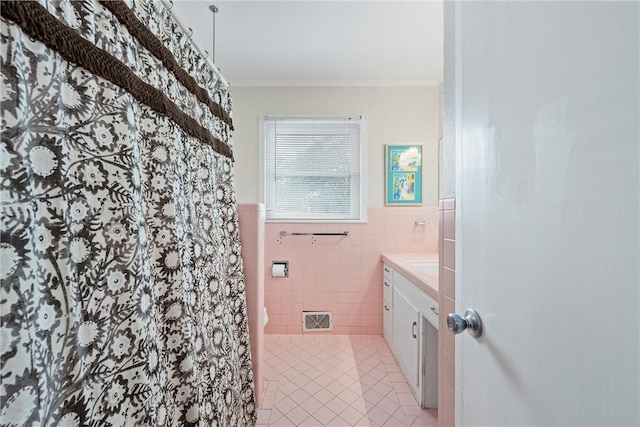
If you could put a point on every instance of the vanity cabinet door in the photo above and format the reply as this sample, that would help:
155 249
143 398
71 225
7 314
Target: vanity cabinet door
387 304
406 333
387 322
387 311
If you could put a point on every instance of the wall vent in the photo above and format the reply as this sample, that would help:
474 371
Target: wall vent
317 321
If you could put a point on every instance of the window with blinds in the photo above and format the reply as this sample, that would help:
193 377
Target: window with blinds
312 169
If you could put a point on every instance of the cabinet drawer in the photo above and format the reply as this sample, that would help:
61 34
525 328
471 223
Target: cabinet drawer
430 309
387 292
388 272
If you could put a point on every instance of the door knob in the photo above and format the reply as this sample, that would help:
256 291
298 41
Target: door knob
471 322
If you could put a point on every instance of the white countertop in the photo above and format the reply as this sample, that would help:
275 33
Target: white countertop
400 262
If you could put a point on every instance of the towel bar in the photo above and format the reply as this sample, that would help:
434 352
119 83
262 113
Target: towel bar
284 233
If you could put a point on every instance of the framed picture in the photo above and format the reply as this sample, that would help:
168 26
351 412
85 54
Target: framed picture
403 170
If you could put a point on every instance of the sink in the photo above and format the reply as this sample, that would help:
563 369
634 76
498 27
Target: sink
426 267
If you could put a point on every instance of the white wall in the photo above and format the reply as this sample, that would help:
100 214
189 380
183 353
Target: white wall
395 115
448 146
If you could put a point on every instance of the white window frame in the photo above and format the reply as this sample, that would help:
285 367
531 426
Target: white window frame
363 170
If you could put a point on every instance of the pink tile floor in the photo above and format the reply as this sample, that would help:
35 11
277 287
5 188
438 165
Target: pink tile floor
336 380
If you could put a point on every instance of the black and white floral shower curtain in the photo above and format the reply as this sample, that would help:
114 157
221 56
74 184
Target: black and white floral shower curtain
122 298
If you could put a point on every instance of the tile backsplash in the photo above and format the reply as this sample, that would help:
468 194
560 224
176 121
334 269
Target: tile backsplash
342 274
251 219
446 301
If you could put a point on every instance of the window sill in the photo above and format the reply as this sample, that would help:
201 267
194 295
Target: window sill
318 221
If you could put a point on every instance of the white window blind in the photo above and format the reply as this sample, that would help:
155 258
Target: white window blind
313 169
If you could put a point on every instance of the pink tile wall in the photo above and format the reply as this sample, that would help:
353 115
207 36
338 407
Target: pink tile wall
251 216
446 301
340 274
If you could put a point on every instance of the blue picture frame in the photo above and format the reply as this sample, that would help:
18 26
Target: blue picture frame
403 173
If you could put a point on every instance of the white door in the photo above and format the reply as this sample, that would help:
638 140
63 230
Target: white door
547 198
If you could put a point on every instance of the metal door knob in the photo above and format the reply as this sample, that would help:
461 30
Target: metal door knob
471 322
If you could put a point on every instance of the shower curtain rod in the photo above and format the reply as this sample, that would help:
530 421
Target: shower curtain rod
169 5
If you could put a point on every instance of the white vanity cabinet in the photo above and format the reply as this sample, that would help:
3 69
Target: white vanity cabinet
410 319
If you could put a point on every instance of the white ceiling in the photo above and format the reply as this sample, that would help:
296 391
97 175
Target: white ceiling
301 42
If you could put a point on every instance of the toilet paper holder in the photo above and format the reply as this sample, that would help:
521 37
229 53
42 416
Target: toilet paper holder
280 267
